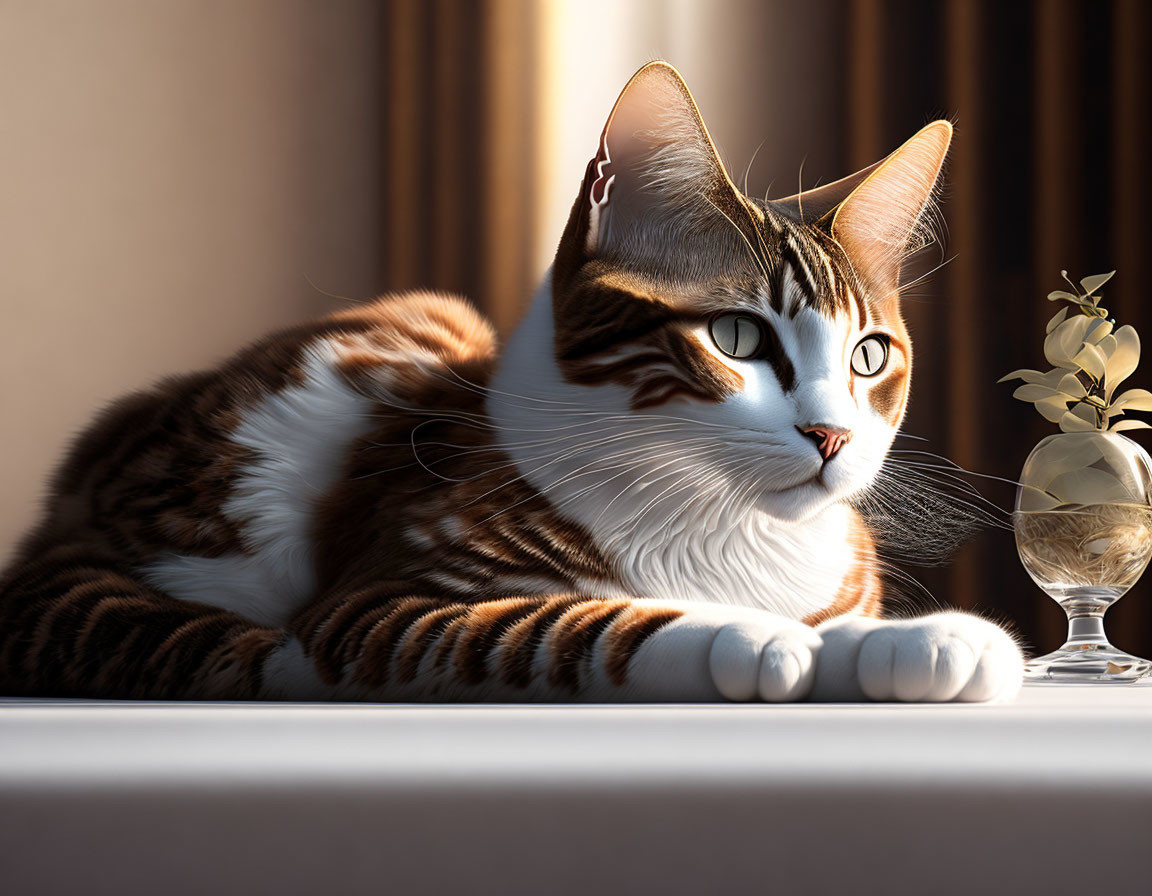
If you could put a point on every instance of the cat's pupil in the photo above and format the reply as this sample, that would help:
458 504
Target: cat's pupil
870 356
737 335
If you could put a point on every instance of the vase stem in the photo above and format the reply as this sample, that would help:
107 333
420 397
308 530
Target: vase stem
1086 629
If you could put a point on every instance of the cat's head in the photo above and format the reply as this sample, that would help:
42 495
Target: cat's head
773 325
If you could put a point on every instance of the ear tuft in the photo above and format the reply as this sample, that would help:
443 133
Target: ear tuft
889 215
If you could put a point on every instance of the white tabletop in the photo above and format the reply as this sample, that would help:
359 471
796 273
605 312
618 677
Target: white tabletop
1040 795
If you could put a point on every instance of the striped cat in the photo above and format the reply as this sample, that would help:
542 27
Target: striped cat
644 498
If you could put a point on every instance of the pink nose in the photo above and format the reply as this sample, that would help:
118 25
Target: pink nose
828 439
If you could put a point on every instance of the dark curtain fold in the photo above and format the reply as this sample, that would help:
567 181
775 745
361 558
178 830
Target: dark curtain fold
458 84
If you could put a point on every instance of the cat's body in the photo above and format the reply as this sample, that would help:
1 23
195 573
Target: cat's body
628 504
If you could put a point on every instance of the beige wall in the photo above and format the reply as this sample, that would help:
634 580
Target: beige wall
169 175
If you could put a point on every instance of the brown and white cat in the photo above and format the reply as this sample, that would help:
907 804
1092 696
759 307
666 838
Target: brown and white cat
644 498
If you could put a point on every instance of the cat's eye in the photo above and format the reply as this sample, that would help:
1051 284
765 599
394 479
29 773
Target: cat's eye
870 355
737 335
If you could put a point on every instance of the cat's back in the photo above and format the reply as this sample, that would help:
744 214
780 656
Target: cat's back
206 483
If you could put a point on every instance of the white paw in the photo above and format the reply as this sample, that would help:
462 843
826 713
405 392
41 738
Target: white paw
770 659
948 656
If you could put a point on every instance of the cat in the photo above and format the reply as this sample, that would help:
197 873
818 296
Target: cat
646 497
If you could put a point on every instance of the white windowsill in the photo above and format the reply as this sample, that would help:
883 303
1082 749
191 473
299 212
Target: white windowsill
579 799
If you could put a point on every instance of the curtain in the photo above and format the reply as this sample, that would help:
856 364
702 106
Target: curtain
459 101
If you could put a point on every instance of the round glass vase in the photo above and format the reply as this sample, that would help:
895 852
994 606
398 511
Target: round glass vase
1083 526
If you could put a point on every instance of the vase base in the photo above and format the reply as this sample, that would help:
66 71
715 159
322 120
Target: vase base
1087 664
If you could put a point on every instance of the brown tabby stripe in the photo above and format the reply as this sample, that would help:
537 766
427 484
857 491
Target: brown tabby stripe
421 636
617 326
798 270
183 653
631 633
469 638
470 525
106 635
375 612
323 630
890 395
524 638
574 636
373 663
861 590
777 356
616 310
486 623
614 327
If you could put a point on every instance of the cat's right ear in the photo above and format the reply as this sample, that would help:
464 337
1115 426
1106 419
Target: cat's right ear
887 217
656 177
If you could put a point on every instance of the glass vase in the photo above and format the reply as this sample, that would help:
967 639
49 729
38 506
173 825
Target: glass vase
1083 526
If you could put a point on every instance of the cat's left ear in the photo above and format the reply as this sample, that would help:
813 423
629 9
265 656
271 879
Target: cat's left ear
657 175
883 217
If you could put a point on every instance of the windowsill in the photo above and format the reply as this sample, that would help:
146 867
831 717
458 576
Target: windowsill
498 797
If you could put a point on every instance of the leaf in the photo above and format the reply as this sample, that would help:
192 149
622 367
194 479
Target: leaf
1064 341
1071 422
1071 386
1107 345
1055 455
1032 499
1034 392
1051 378
1128 424
1124 359
1091 360
1132 400
1053 409
1089 485
1093 283
1029 376
1057 319
1098 330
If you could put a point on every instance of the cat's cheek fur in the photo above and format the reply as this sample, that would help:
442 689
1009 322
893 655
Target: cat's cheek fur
948 656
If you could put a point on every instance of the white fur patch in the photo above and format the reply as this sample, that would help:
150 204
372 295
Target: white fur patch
648 489
300 436
943 657
290 675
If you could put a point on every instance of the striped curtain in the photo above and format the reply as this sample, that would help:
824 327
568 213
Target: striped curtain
459 102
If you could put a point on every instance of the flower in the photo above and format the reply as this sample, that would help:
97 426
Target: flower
1090 357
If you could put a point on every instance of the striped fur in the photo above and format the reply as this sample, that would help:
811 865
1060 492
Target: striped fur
375 506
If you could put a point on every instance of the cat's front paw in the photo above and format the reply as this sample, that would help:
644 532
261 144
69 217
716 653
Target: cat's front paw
943 657
773 660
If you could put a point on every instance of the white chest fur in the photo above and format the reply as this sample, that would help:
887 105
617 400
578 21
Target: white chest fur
649 495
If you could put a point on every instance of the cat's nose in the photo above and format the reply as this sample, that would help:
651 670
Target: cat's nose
829 439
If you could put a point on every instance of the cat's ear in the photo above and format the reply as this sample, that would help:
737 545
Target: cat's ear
884 218
657 172
812 205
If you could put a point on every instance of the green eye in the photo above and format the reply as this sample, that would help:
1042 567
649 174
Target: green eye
870 355
737 335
